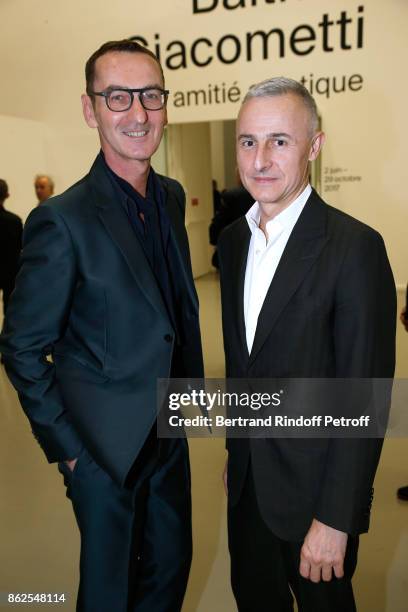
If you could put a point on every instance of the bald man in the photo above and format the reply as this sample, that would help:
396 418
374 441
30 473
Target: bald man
44 187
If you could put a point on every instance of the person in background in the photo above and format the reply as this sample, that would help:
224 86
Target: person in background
11 230
216 197
402 492
44 187
404 317
235 203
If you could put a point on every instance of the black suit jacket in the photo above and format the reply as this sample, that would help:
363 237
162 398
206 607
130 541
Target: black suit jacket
86 294
330 311
11 229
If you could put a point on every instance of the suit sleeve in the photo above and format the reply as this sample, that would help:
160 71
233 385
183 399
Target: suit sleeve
364 338
36 319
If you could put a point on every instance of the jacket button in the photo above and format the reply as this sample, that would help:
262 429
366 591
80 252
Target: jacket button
168 337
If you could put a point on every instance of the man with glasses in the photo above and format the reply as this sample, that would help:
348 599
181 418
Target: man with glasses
106 288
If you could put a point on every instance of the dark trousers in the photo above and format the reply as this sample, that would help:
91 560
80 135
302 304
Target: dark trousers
136 542
265 569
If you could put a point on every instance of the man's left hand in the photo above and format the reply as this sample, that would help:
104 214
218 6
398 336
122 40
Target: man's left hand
322 553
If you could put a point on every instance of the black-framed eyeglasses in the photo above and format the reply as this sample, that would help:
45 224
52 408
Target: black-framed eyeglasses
121 99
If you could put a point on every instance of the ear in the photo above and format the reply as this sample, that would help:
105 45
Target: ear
88 111
317 144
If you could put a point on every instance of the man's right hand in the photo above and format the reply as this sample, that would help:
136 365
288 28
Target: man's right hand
323 553
71 463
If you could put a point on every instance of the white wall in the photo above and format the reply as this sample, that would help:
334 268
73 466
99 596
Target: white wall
217 153
22 156
230 153
189 161
44 45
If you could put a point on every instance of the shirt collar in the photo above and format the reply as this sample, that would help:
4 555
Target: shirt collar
125 186
285 219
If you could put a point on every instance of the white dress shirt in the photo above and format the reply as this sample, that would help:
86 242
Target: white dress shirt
264 256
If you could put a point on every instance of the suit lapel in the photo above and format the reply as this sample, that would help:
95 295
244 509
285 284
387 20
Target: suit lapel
302 250
117 224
